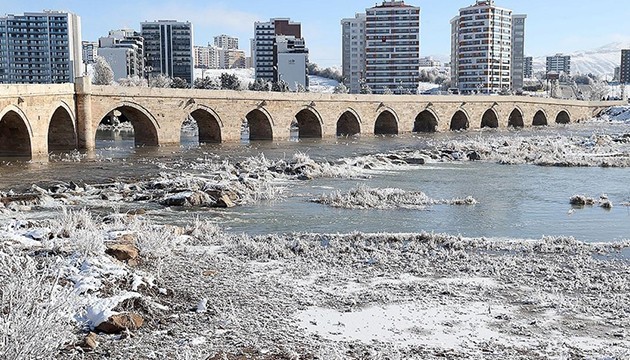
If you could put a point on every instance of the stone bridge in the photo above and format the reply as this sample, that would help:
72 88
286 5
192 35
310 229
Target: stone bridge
38 119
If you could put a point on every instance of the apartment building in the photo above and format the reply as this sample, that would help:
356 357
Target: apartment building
518 51
528 67
89 50
124 52
481 48
353 52
40 48
279 36
624 69
559 63
226 42
392 47
168 47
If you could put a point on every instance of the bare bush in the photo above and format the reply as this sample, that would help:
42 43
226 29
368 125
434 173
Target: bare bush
36 314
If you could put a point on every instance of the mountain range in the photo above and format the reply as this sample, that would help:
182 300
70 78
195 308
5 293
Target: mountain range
601 61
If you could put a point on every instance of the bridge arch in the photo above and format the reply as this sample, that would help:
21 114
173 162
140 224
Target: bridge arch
260 124
15 133
460 121
349 123
426 122
209 124
386 123
309 123
563 117
62 132
516 118
490 119
540 118
145 126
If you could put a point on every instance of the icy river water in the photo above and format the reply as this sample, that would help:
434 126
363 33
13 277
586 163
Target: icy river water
513 201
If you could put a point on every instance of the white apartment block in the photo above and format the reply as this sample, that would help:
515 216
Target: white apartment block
481 48
226 42
392 47
292 59
559 63
40 48
429 62
353 57
124 52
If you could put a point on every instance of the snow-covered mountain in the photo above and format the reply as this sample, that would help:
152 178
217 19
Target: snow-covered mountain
601 61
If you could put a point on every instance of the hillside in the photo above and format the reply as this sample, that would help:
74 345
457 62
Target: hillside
601 61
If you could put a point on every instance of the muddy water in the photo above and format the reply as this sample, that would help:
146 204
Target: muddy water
517 201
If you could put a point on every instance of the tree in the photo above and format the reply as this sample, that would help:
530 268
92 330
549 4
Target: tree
259 85
103 73
364 87
134 81
280 86
160 81
230 82
328 73
179 83
340 89
206 83
300 88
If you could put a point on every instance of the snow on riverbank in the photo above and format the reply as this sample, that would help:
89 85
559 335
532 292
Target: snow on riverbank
309 295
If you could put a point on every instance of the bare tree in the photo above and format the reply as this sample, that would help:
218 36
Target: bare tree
103 73
134 81
160 81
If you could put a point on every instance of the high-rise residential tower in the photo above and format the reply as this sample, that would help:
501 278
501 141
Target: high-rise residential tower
40 48
624 69
392 47
353 53
518 51
279 49
481 48
559 63
168 47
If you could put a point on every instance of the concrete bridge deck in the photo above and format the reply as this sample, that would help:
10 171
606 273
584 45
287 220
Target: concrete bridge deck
37 119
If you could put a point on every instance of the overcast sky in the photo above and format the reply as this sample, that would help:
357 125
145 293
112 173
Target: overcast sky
552 26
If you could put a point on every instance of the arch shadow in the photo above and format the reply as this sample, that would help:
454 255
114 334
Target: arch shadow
209 125
426 122
309 124
386 123
459 121
15 134
490 119
540 119
62 132
516 119
259 123
349 123
563 117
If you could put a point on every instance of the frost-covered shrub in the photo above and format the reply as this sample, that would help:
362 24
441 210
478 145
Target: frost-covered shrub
76 231
36 314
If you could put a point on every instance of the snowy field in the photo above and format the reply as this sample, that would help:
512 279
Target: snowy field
103 279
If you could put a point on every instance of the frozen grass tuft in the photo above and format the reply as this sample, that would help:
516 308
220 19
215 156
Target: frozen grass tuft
36 314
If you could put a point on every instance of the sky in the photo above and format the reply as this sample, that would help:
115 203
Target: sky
553 26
